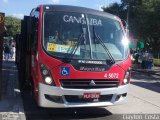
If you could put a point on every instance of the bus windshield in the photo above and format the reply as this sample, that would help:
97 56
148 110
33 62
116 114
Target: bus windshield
65 31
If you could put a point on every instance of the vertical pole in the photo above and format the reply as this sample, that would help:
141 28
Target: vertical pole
128 10
1 49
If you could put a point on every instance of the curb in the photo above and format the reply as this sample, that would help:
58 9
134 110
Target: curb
148 72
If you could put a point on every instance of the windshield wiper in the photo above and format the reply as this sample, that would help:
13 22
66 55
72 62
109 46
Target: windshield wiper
104 46
68 59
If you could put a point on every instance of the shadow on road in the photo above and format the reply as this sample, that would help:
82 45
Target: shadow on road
33 112
144 76
147 81
10 94
154 86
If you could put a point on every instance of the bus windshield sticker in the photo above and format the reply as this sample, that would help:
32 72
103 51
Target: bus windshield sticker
81 20
65 71
61 48
52 39
91 62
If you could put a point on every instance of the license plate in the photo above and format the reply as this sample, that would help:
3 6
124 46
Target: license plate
91 95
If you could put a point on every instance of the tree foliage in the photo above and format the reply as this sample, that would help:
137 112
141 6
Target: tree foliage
147 22
144 19
13 25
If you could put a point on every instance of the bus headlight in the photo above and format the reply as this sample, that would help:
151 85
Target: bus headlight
46 75
126 79
48 80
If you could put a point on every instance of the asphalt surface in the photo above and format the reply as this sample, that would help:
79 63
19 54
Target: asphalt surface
143 98
11 105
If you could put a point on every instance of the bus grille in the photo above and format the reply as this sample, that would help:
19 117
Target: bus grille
88 84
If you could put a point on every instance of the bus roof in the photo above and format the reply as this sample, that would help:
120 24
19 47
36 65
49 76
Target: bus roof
78 9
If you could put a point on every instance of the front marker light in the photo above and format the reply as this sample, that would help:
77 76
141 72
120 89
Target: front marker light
125 81
44 72
126 78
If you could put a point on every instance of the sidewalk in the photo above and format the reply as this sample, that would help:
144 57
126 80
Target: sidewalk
155 69
11 106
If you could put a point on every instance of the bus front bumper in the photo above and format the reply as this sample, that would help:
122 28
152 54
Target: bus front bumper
58 97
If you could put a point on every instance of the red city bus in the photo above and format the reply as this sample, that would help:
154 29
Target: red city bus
74 57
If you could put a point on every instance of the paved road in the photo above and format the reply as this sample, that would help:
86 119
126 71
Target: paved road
144 95
11 106
143 98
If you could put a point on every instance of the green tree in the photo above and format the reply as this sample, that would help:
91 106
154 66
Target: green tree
116 9
144 19
147 23
13 25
